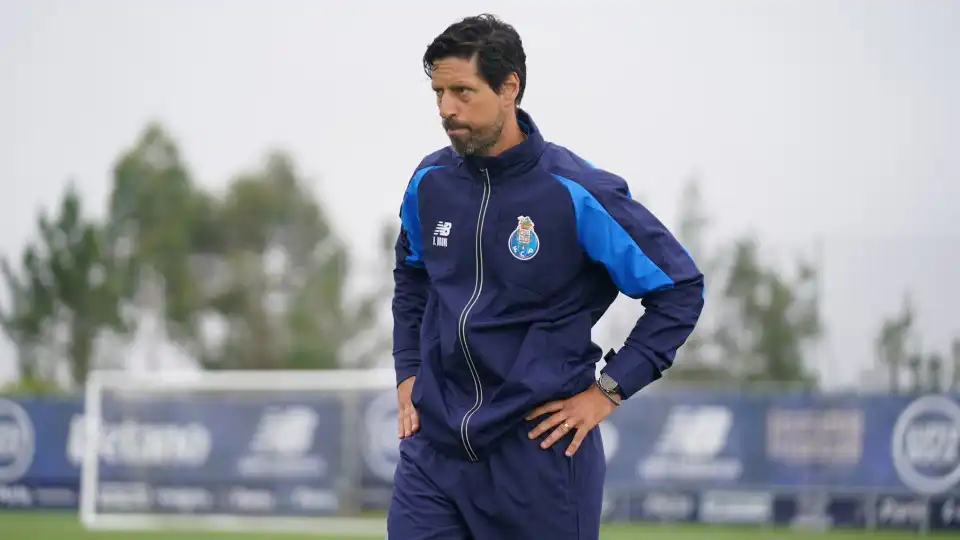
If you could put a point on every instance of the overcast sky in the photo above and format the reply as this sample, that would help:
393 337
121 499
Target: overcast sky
832 120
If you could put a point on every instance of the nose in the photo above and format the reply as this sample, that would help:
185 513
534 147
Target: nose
448 106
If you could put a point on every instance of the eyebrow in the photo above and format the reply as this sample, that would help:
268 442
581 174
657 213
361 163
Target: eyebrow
457 84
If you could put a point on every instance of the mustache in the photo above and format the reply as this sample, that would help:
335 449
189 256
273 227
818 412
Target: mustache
450 124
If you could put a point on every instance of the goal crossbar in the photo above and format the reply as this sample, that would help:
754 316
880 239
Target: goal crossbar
334 380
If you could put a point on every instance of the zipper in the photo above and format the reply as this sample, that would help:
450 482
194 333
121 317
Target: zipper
462 329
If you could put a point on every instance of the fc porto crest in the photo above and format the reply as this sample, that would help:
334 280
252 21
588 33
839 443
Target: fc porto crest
524 242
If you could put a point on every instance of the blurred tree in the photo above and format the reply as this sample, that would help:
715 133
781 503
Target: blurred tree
955 357
63 297
891 343
767 321
262 264
253 279
693 362
915 365
154 224
691 232
935 372
283 289
373 347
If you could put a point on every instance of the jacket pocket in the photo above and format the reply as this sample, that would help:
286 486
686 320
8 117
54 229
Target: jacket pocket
429 353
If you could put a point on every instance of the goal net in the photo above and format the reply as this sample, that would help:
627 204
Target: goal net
238 450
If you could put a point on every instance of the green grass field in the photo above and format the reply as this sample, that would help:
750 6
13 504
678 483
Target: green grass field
49 526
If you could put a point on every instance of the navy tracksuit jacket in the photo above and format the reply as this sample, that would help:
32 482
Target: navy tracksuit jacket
504 264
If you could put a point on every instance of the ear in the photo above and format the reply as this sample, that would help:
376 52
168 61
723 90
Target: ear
510 89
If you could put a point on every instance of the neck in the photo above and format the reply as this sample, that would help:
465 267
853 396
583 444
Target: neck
511 136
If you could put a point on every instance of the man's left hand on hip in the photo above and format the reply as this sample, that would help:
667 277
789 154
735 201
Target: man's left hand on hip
581 413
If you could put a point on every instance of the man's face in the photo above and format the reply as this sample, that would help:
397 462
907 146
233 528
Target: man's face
473 114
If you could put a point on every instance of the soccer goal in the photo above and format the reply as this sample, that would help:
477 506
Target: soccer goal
236 450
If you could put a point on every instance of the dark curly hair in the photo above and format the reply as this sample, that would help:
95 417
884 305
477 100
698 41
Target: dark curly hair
496 45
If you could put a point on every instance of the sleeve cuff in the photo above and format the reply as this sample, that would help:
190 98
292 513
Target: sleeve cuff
632 371
406 364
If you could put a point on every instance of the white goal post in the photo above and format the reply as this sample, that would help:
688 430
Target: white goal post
231 450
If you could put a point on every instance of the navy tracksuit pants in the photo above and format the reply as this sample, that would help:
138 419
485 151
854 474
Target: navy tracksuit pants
517 492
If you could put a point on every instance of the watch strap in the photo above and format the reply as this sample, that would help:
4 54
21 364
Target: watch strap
610 395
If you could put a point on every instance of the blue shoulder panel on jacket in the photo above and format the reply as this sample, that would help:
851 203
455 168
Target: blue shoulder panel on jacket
410 217
607 242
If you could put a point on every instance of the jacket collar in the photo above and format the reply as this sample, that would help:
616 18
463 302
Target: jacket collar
516 159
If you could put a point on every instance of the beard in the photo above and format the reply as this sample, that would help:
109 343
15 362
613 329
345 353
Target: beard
476 141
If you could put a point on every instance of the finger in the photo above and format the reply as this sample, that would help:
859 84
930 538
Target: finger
407 428
414 421
558 433
410 422
552 421
400 423
551 407
578 438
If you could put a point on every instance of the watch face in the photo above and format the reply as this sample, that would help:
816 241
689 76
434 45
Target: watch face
607 383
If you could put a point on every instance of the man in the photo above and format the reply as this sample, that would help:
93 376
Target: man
511 249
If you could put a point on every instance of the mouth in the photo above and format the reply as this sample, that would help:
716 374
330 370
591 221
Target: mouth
453 128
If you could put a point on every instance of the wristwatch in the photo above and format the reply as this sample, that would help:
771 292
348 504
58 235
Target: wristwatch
610 388
606 383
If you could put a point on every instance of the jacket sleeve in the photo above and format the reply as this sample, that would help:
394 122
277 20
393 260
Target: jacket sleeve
645 261
411 286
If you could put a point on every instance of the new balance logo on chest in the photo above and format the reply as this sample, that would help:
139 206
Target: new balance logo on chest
442 233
